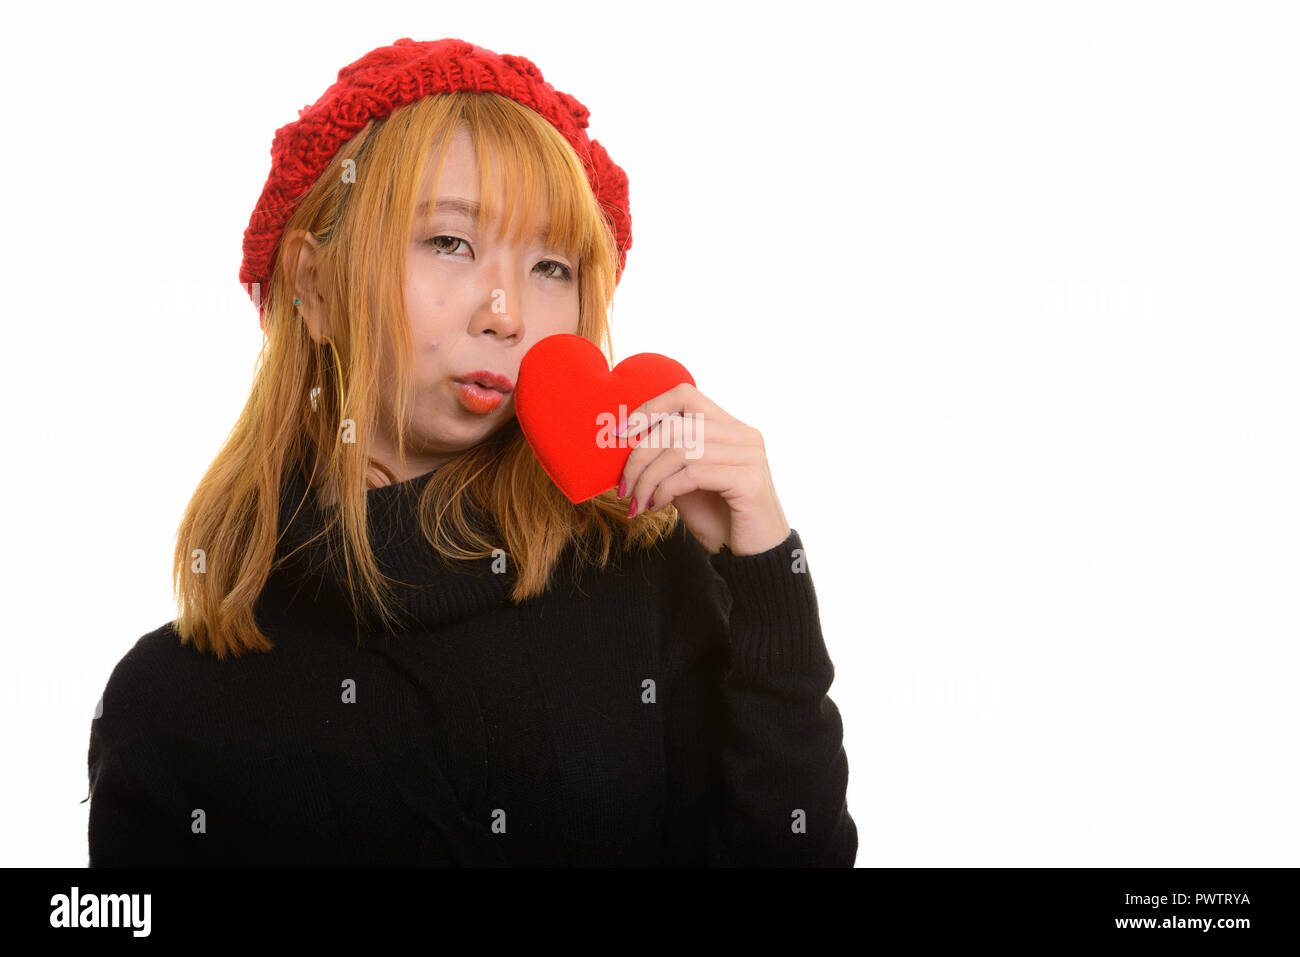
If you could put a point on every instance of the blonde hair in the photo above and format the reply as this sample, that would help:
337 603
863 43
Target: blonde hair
360 221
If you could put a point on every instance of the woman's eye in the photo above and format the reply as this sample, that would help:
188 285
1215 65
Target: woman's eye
551 264
437 248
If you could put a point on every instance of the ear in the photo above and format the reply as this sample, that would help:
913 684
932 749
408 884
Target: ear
300 250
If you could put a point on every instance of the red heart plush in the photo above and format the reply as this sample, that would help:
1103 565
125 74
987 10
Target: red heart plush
568 400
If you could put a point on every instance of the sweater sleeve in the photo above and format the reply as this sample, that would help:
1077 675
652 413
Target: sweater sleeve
780 772
138 813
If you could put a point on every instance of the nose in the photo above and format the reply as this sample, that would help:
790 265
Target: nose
500 311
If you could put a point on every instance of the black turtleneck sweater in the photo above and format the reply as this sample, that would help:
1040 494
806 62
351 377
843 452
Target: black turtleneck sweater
669 711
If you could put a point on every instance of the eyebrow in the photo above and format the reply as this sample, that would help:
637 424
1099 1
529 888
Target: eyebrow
463 207
450 205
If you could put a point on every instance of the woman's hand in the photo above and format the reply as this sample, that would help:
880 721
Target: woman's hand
690 454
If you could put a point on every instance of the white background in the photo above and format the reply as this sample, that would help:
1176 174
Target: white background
1010 290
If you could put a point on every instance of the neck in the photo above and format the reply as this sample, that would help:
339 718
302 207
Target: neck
377 476
426 587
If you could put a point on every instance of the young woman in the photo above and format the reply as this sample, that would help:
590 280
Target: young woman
398 642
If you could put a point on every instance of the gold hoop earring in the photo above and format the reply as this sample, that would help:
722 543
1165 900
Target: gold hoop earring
339 366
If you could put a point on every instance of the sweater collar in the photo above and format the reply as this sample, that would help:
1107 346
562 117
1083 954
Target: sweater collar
435 592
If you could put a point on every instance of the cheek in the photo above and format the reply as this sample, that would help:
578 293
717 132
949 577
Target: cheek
566 314
429 313
424 296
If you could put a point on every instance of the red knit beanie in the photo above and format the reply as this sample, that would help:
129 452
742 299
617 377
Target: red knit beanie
393 76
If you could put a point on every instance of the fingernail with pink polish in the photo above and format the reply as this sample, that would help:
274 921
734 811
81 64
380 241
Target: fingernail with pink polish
632 509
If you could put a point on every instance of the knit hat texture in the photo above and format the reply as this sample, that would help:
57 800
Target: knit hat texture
391 77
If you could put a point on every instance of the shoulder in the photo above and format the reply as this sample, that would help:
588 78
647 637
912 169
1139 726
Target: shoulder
154 655
153 684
